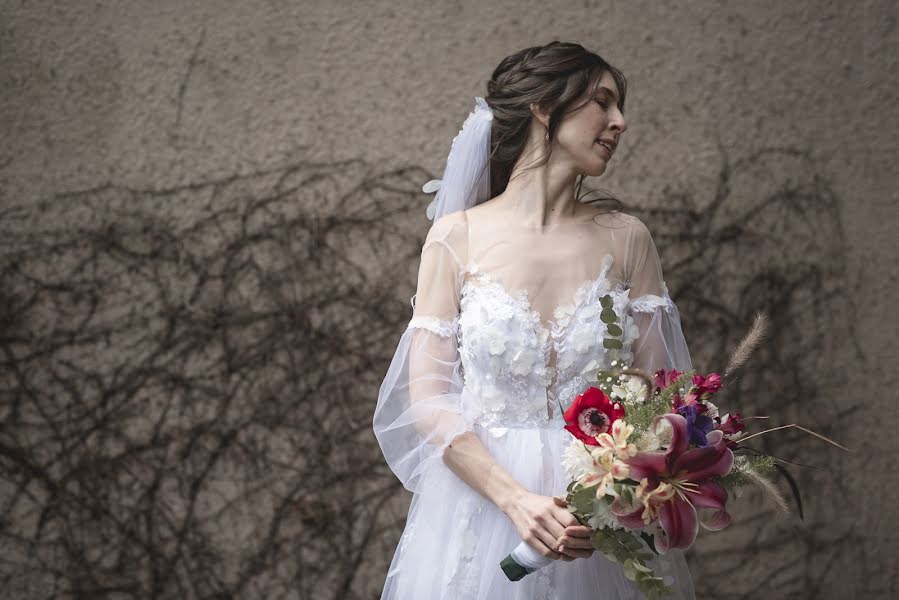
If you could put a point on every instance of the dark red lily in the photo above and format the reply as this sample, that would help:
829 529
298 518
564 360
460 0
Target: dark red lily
677 482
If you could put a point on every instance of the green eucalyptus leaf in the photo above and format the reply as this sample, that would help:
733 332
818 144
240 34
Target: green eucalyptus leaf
611 343
582 499
614 329
608 316
606 301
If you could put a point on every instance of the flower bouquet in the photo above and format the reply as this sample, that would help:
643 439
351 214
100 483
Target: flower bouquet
651 459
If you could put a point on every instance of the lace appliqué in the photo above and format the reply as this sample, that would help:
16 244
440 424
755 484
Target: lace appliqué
511 379
650 302
441 327
466 574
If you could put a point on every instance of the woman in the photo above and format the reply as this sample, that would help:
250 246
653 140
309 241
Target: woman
505 333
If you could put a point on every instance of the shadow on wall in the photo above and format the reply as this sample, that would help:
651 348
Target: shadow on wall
189 377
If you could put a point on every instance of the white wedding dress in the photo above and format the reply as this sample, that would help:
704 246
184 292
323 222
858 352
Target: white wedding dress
506 327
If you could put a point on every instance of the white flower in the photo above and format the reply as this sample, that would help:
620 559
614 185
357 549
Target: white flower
576 460
491 397
547 374
523 361
580 295
648 442
562 314
544 335
591 310
664 432
565 360
602 517
590 371
583 338
496 340
630 331
630 389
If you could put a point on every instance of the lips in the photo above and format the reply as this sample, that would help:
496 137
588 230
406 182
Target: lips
609 146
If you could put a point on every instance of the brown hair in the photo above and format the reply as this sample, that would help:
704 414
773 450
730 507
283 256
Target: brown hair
553 77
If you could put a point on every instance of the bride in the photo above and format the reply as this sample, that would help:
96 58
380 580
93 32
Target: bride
505 333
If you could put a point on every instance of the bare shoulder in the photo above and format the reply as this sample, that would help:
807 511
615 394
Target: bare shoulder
619 220
447 226
484 211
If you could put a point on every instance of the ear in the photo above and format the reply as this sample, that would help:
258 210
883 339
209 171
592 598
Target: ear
539 115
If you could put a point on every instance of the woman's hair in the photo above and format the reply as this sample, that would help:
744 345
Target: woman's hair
553 77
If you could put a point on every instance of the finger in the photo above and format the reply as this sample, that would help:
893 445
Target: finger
560 501
579 531
576 553
575 542
541 540
549 541
556 529
543 549
565 518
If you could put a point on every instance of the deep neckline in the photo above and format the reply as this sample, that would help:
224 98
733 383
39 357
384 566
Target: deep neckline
523 297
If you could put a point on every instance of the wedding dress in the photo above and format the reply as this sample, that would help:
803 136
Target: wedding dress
505 329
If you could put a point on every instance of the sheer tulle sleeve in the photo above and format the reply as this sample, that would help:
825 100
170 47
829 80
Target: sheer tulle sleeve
419 409
661 343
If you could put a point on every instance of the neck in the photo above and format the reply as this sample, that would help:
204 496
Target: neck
541 196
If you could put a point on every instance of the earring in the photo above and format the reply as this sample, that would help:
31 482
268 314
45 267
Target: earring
546 137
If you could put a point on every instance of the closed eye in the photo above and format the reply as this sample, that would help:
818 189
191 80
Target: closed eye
604 105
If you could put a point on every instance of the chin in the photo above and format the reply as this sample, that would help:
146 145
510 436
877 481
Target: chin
597 170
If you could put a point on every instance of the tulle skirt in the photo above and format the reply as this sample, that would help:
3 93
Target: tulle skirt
455 539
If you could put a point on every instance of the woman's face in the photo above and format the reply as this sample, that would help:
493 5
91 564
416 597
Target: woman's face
588 137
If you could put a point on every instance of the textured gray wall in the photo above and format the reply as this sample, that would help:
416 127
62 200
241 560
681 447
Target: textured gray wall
209 226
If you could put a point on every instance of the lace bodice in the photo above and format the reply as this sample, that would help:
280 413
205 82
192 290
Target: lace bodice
482 351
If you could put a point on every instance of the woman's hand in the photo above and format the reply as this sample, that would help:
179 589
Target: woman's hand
575 543
545 524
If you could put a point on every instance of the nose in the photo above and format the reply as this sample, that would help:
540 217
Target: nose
620 123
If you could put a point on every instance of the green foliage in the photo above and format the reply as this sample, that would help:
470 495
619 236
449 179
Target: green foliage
624 547
581 499
612 343
738 477
642 415
621 546
679 385
610 318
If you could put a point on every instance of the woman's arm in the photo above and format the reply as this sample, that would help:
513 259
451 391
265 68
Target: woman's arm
542 522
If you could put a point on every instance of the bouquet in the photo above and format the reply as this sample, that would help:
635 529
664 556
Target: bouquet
650 460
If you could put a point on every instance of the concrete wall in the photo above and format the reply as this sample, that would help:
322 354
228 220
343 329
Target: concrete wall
203 204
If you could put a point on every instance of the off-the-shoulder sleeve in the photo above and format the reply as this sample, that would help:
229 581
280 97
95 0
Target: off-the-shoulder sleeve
419 409
661 343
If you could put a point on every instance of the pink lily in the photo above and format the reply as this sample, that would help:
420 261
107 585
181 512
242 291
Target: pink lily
684 475
662 378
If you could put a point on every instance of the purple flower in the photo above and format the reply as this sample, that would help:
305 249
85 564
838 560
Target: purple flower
698 425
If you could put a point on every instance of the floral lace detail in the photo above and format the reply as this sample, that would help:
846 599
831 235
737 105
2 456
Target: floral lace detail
650 302
504 353
434 325
507 352
465 576
546 583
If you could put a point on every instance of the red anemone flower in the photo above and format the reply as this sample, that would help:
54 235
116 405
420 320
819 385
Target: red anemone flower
590 414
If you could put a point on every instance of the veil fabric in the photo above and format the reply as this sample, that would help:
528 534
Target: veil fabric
466 177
